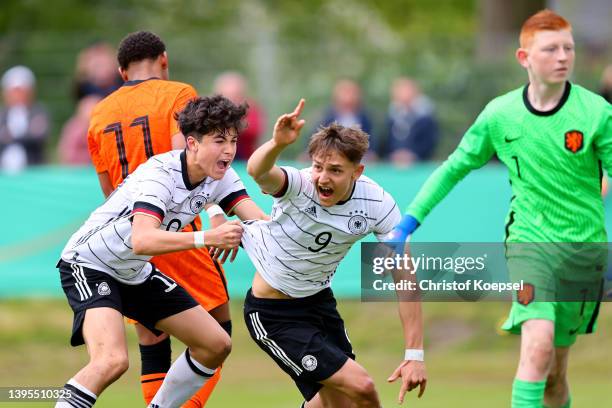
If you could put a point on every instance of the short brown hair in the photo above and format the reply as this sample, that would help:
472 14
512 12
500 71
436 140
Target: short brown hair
352 142
544 20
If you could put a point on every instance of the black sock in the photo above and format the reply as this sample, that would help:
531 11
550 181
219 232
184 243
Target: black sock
156 358
227 326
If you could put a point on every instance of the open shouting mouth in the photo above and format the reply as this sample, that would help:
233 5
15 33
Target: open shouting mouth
325 192
223 164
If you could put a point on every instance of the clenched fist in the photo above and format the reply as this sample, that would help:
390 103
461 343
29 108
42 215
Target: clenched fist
225 236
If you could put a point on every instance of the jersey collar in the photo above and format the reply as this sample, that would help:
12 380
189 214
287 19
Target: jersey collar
564 97
137 81
185 175
351 196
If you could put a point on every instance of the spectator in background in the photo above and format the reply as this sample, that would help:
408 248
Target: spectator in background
412 129
24 124
233 86
96 71
72 148
347 110
606 84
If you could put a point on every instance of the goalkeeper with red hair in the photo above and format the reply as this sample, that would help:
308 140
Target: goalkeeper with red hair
554 137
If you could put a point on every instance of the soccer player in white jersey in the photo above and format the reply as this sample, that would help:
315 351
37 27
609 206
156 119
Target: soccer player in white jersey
105 271
318 214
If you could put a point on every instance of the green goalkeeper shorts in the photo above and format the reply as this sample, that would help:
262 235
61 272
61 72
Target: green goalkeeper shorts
570 318
551 291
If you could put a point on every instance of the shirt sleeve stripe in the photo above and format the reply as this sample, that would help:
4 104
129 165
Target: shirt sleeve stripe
148 213
149 209
283 190
230 200
234 203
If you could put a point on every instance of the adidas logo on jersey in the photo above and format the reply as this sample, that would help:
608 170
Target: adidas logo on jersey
311 210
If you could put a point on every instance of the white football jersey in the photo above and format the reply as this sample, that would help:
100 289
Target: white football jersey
160 188
298 251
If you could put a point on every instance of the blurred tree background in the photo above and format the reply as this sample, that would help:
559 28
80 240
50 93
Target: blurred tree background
460 51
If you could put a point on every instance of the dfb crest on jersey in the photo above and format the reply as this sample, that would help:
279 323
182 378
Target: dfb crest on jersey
104 289
196 204
309 362
574 140
357 224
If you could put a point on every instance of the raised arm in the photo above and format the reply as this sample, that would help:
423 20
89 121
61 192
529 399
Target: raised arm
474 151
248 210
262 163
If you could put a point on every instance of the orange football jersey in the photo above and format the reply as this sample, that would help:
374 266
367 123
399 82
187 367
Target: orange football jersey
134 123
130 125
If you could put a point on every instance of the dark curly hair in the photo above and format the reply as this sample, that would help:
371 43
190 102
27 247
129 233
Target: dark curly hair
202 116
352 142
139 46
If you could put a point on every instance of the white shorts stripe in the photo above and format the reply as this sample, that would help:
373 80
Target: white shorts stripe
257 330
77 283
85 284
81 282
349 340
272 345
262 337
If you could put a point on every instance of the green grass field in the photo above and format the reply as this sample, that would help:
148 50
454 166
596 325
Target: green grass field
469 363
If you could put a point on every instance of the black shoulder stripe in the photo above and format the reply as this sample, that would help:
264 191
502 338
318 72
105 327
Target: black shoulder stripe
148 208
283 189
232 199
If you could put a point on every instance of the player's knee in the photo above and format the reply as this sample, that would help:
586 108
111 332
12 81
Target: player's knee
364 388
540 353
119 365
218 349
112 366
223 346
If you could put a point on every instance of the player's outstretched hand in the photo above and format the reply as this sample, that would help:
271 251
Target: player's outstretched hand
413 374
225 236
288 126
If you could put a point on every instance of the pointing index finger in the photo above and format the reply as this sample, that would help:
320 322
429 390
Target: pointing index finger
403 390
298 109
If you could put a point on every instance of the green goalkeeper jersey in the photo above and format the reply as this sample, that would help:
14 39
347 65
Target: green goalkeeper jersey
554 159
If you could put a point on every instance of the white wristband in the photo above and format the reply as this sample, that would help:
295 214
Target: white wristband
214 210
198 239
414 355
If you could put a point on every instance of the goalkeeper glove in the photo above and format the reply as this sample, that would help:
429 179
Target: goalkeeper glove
405 228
